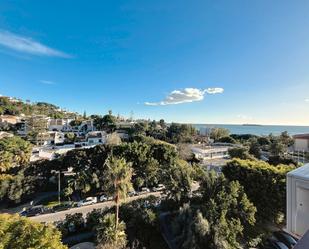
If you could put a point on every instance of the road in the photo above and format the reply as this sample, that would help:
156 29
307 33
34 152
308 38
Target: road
52 217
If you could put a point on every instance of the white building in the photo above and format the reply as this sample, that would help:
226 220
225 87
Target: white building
210 152
298 200
50 138
62 124
96 137
301 142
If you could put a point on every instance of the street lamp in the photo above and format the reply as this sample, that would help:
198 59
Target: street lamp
66 173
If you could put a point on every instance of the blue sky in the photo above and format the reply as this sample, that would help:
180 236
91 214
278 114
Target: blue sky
186 61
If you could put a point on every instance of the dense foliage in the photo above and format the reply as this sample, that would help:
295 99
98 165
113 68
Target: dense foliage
217 218
14 151
109 234
219 133
139 226
240 152
153 162
264 184
18 232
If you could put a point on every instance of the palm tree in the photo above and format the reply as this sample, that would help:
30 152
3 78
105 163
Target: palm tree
119 174
81 182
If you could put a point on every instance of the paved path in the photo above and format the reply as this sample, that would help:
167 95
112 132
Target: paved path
52 217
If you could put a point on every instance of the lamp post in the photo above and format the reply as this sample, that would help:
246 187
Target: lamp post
68 172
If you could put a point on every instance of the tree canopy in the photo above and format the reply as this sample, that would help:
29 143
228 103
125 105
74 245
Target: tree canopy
264 184
19 232
14 151
217 218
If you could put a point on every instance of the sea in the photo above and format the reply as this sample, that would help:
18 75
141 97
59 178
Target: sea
259 130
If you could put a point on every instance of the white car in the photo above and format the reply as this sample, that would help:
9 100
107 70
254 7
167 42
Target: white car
87 201
105 198
160 187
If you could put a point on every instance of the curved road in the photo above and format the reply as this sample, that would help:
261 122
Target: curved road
52 217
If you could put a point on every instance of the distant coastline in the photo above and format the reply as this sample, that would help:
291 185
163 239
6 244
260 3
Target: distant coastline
258 130
251 125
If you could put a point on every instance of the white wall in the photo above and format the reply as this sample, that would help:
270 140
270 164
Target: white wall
298 200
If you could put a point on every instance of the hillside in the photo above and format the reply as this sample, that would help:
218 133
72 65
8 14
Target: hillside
12 106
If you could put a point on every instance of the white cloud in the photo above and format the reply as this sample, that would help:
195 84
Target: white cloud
47 82
186 95
307 100
28 45
214 90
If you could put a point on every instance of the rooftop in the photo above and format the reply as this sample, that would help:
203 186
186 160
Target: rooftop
301 136
301 172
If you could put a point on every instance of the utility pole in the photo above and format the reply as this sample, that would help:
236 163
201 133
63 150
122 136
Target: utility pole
59 196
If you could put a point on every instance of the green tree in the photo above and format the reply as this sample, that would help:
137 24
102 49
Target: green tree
217 133
81 182
227 139
19 232
119 174
264 184
181 133
76 122
111 235
108 122
286 139
14 151
140 128
255 148
70 137
36 127
240 152
178 180
277 148
218 218
162 124
71 223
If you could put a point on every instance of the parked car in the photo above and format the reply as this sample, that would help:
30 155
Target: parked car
63 206
160 187
286 238
87 201
34 211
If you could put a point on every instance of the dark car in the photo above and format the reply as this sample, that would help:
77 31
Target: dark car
33 211
286 238
63 206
